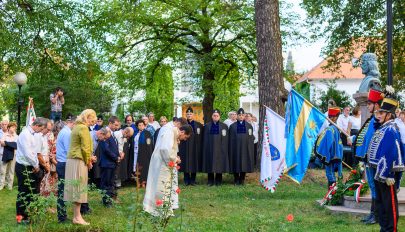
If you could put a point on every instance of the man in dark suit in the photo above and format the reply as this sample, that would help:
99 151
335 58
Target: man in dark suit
109 157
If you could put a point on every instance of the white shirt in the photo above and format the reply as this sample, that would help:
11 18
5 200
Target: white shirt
26 148
229 122
343 122
401 126
255 126
136 145
356 122
120 139
7 138
1 148
155 125
42 145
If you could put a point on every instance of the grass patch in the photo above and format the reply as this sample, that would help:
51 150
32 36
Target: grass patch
225 208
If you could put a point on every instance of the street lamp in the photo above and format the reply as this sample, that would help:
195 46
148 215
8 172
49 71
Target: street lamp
20 79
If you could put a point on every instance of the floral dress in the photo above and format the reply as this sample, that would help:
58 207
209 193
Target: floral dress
50 180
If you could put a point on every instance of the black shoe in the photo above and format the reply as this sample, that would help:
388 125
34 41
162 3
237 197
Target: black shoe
366 218
108 205
371 221
63 220
86 212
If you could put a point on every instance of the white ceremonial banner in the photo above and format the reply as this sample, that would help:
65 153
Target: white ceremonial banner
273 150
30 113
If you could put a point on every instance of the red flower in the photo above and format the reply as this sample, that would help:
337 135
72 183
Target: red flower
18 218
290 217
334 192
159 202
354 171
178 190
178 167
350 189
171 164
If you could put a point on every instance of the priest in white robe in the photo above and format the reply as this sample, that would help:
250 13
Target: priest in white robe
162 179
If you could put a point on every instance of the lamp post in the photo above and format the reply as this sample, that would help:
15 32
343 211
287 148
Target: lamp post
389 42
20 79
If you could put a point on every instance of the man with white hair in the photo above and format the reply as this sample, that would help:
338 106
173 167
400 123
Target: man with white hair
122 136
231 118
152 122
27 167
3 130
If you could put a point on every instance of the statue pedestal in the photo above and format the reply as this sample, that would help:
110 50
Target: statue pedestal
361 99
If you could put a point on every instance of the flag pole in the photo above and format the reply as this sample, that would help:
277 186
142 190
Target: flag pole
329 120
288 169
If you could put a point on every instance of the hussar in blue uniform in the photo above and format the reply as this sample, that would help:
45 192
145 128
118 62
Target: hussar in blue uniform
361 144
386 157
329 148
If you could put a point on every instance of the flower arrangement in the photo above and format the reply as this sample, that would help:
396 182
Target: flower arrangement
353 186
165 203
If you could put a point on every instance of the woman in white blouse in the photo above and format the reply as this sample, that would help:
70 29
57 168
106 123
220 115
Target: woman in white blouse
354 121
8 142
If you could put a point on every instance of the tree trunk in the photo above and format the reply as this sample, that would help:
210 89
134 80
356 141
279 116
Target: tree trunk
209 96
270 59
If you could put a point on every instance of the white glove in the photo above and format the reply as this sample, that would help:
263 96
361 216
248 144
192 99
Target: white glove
390 181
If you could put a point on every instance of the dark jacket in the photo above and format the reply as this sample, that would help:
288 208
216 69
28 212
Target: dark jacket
8 153
109 153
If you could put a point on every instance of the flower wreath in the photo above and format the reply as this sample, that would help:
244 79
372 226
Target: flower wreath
354 186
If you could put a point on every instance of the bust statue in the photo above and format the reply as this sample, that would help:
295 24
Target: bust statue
369 67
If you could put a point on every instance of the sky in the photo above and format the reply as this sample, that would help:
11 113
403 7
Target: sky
306 56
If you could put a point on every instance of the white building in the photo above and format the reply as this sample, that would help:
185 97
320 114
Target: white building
347 79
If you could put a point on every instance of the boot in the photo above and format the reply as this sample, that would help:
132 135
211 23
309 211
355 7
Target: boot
374 215
370 215
330 183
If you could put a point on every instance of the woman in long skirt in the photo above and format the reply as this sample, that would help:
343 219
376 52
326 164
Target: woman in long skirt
78 163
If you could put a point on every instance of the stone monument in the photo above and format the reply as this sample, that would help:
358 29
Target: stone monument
369 67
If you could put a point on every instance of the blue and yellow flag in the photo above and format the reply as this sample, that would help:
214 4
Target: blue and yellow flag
303 122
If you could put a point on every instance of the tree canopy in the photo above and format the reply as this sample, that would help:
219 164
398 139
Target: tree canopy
348 24
47 41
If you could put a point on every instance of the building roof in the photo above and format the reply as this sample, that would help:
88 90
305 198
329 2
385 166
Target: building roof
346 70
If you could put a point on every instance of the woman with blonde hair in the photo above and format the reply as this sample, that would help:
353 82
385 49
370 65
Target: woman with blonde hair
79 161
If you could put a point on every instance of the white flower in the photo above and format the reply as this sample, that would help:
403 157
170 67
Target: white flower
389 89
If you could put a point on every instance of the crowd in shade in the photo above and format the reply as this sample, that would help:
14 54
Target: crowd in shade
51 154
62 156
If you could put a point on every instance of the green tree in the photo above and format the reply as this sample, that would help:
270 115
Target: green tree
209 35
347 24
159 97
47 40
340 97
213 40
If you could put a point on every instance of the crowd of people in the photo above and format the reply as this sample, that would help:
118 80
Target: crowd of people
64 156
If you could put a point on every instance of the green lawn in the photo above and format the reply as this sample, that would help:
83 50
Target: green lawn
225 208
